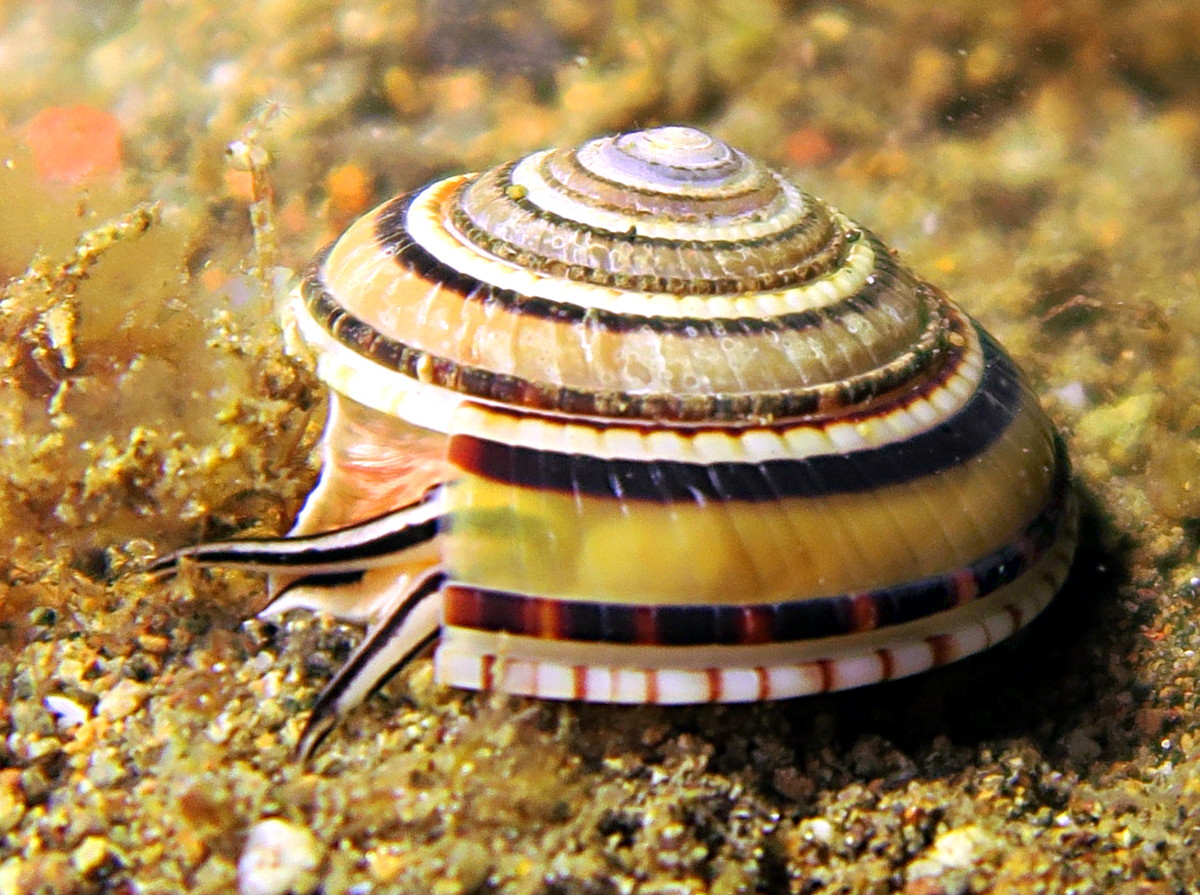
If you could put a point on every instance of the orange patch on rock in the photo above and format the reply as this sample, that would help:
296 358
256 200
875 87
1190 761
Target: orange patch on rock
71 144
350 189
808 146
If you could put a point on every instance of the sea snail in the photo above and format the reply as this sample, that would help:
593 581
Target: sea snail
643 422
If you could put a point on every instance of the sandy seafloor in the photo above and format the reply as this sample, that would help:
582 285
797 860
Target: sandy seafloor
1039 161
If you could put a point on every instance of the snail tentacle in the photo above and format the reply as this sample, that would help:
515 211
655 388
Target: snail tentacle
410 626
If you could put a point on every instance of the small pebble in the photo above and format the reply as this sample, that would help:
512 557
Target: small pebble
105 767
11 873
90 855
12 799
122 700
820 831
278 857
66 711
153 643
1073 395
949 859
385 865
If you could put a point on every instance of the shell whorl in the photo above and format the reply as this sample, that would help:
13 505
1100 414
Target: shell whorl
659 275
669 210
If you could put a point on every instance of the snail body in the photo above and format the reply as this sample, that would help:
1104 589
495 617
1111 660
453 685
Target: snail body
643 422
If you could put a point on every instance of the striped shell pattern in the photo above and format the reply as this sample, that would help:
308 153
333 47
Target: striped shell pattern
643 422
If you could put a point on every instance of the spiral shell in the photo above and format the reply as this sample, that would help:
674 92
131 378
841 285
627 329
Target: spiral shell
643 421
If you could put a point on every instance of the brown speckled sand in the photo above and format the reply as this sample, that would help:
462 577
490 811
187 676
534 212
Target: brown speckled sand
1037 160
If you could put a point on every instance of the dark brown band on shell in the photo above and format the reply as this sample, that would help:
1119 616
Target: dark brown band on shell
524 234
716 624
933 348
412 258
967 434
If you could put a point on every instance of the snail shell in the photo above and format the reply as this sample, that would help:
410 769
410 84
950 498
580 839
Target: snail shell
642 421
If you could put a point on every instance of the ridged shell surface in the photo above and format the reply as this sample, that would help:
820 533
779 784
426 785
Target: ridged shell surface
643 421
659 275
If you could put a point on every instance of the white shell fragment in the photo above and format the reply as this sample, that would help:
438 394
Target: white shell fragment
278 857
